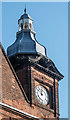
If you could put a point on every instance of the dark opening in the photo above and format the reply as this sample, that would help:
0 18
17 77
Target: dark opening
51 97
21 26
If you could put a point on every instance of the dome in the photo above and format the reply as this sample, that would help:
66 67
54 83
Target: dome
25 16
25 44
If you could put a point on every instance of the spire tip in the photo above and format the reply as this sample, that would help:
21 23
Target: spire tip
25 9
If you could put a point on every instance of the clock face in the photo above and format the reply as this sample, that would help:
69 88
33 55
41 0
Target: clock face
41 95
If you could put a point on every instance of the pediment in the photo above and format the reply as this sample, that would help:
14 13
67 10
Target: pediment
47 64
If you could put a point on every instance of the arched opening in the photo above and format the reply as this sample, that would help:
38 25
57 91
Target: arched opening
30 26
21 26
26 25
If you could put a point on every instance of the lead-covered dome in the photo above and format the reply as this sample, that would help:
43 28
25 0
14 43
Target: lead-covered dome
25 16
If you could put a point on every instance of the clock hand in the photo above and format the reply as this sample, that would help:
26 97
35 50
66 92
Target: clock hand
41 92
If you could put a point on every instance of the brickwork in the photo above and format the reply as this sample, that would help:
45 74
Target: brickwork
13 96
22 75
46 81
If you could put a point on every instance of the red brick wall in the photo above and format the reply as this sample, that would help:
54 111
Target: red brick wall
12 94
41 76
22 75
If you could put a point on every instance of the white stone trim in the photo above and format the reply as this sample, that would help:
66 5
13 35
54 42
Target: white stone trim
19 111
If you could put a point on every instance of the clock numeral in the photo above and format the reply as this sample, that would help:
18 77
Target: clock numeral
41 95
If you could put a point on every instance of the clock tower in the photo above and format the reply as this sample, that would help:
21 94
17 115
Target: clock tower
37 73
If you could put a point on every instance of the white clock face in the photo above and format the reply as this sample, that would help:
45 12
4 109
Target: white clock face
41 95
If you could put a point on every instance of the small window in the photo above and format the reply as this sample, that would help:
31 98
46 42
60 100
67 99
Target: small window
21 26
30 26
26 25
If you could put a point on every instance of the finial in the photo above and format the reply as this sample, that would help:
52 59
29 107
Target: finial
25 9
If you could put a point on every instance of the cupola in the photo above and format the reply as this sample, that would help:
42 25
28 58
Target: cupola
26 42
25 22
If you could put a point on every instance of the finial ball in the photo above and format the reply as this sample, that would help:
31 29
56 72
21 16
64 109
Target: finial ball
25 10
